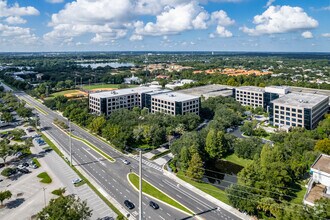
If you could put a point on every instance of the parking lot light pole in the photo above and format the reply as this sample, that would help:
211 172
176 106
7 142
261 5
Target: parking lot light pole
44 195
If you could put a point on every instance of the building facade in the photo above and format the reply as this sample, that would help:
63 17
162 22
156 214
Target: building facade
250 95
298 110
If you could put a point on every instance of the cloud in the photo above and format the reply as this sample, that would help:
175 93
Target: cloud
221 19
15 20
16 10
325 8
269 3
281 19
326 35
307 35
222 32
136 37
55 1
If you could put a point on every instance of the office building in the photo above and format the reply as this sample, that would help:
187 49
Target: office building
298 110
250 95
175 103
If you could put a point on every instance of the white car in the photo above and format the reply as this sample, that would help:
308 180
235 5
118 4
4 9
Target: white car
126 162
77 180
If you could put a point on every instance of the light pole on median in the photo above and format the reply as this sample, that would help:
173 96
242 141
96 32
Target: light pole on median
70 139
140 186
43 188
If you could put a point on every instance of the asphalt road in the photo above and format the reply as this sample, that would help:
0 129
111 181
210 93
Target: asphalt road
112 176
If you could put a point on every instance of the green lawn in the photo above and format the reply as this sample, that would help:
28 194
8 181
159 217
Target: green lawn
160 154
45 178
36 162
99 86
154 192
206 187
300 195
237 160
63 93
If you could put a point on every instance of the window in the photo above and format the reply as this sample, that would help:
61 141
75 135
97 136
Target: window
293 110
294 115
299 116
287 109
287 123
287 118
299 111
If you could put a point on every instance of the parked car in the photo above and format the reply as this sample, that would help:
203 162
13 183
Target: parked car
48 150
34 166
20 166
129 204
24 170
126 162
77 180
25 164
153 205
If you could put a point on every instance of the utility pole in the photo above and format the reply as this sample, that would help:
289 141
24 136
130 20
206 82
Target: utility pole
81 82
75 82
44 195
140 187
47 92
70 138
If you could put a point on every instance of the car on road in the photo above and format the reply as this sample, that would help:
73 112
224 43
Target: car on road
77 180
153 205
129 204
126 162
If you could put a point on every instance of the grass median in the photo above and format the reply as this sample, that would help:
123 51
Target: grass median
45 178
156 193
111 206
37 108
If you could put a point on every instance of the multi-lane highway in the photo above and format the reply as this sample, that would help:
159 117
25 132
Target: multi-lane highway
112 176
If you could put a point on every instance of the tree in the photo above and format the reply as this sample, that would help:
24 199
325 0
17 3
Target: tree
322 208
5 195
7 117
242 198
66 208
195 169
247 148
24 112
323 146
248 127
97 124
214 144
5 150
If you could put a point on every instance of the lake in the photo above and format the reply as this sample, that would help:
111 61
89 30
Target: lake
111 64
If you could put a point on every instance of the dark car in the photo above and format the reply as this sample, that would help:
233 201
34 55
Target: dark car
24 170
129 204
48 150
25 164
153 205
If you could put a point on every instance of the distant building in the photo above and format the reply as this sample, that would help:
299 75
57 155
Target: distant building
298 110
319 184
132 80
208 91
179 83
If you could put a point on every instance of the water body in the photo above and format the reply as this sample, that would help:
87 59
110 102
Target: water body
111 64
225 173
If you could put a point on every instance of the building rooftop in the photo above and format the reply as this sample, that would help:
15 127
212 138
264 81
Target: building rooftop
322 163
251 88
209 91
160 91
304 100
175 96
120 92
308 90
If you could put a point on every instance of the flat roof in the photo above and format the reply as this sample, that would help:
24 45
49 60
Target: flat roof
278 87
322 163
309 90
304 100
209 90
120 92
175 96
156 92
251 88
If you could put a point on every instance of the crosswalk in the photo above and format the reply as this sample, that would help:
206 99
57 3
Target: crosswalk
145 162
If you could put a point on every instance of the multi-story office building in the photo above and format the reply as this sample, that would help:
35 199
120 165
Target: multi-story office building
156 100
175 103
298 110
107 102
250 95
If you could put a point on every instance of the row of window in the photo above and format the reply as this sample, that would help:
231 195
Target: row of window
288 123
288 113
191 102
248 93
162 101
163 106
288 109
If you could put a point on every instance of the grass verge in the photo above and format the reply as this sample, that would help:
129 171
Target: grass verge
160 155
45 178
111 206
101 86
82 182
55 94
237 160
154 192
36 162
57 192
37 108
205 187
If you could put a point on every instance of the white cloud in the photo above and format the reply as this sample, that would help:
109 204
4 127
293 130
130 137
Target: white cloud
16 10
15 20
307 35
325 8
55 1
269 3
326 35
281 19
136 37
17 33
222 32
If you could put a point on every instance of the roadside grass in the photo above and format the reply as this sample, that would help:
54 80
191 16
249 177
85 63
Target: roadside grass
37 108
45 178
111 206
160 155
154 192
101 86
206 187
237 160
36 162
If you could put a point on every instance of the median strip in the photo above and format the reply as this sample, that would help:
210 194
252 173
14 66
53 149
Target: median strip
36 107
156 194
93 147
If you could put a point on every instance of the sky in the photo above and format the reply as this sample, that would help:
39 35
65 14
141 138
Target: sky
165 25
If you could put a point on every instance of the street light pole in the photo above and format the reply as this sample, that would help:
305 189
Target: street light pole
70 143
44 195
140 187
